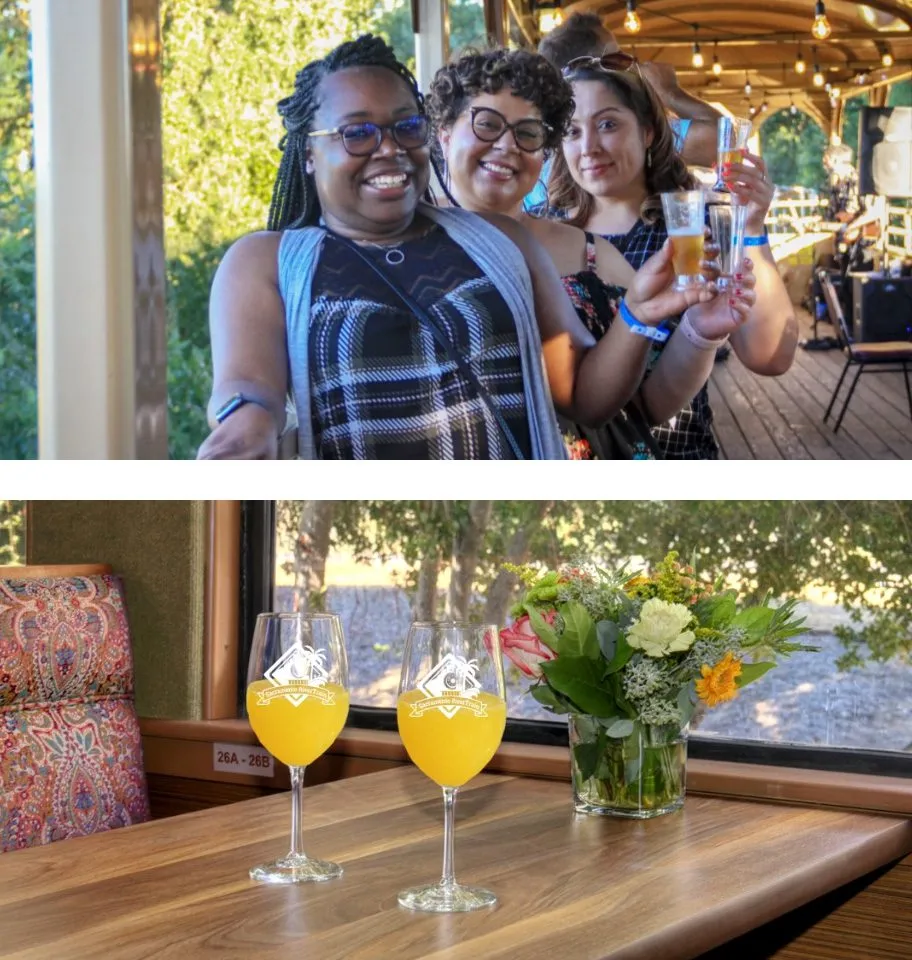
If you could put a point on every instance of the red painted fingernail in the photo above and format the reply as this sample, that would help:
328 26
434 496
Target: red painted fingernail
732 303
739 292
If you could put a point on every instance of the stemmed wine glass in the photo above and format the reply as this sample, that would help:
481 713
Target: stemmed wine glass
452 712
297 702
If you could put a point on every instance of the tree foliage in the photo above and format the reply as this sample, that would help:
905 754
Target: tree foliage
858 550
793 146
12 532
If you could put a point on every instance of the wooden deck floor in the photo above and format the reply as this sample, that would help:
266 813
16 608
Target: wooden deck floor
781 418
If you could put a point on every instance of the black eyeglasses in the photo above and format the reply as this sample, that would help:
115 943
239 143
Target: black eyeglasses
362 139
616 62
489 126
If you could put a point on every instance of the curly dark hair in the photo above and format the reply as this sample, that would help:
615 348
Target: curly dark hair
665 171
294 196
527 75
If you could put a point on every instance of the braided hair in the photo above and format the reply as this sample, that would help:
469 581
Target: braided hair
294 195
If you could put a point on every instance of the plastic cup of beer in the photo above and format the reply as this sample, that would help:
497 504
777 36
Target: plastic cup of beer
733 134
726 221
684 218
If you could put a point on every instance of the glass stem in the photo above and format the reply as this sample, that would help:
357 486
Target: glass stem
449 825
297 812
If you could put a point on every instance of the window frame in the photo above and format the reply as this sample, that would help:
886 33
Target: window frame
257 574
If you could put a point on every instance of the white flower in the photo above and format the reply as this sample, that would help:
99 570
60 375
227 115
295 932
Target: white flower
660 628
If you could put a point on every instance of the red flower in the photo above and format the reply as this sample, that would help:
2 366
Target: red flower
522 646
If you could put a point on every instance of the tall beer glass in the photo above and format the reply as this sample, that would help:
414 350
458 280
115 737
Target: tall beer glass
684 218
452 712
733 134
726 222
297 701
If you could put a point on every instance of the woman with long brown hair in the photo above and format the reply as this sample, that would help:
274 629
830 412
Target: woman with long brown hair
617 157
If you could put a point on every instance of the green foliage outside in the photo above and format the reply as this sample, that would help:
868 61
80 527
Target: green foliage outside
858 550
793 146
900 94
851 119
12 532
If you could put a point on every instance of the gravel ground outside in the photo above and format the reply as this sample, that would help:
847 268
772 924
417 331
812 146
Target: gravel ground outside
805 700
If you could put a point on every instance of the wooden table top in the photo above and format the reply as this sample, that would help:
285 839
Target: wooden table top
570 887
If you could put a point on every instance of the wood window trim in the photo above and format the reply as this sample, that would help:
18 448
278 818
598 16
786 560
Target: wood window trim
165 740
220 724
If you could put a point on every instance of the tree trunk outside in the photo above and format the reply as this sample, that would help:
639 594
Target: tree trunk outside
425 603
311 548
502 590
464 559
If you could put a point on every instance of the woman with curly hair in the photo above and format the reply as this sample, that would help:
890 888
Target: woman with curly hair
617 157
402 330
497 112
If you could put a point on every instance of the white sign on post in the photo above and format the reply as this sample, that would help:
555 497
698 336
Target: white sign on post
242 758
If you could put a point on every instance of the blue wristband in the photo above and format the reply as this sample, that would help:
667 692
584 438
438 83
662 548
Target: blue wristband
756 241
659 334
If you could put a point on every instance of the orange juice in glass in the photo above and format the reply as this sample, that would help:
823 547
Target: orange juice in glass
297 702
451 713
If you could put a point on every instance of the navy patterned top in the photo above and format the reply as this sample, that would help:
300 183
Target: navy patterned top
688 436
381 385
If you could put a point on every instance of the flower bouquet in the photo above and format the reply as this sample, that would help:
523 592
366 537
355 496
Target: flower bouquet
628 658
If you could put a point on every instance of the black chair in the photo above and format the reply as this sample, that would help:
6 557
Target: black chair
889 357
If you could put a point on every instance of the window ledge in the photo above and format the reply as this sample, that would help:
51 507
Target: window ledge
708 777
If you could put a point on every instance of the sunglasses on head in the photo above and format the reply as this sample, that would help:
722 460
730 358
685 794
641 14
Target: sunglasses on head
617 62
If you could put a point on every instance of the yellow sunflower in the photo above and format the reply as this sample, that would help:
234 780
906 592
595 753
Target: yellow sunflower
718 683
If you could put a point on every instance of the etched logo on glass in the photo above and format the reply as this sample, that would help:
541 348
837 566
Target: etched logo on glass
449 687
298 674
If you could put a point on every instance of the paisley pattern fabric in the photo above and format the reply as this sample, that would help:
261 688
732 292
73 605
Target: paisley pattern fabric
70 749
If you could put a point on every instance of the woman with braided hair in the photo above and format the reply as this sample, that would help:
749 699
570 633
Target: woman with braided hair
402 330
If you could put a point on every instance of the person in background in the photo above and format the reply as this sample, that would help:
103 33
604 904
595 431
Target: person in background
401 330
693 120
617 157
496 112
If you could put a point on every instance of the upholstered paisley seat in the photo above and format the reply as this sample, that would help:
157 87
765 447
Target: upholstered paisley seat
70 748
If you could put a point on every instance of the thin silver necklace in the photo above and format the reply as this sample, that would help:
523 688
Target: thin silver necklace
393 253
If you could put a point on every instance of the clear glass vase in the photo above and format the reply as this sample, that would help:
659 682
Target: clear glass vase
638 776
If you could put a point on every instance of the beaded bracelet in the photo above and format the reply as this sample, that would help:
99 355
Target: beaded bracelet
697 339
659 334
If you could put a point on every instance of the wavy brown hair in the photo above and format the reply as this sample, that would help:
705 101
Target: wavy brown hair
525 74
667 172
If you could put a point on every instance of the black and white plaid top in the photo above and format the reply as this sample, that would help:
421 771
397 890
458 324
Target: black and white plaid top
688 436
382 387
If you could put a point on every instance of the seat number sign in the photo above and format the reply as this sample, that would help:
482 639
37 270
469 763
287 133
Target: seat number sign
242 758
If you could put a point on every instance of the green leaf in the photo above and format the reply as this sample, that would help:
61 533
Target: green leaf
716 612
621 655
578 638
579 679
751 672
588 754
620 729
544 632
607 632
755 622
687 702
548 698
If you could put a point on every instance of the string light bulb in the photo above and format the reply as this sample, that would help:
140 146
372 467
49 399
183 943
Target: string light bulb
697 58
821 28
716 67
793 110
747 85
819 79
632 20
800 65
887 59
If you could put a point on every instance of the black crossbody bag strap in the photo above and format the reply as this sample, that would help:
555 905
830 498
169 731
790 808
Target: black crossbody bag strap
441 337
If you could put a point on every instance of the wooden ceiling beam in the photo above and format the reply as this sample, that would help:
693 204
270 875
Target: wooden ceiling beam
646 40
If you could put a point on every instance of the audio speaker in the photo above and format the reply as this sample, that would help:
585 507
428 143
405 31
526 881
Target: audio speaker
881 308
885 151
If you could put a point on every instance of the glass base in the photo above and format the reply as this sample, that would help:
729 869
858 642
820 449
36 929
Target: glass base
440 898
628 813
298 869
685 281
